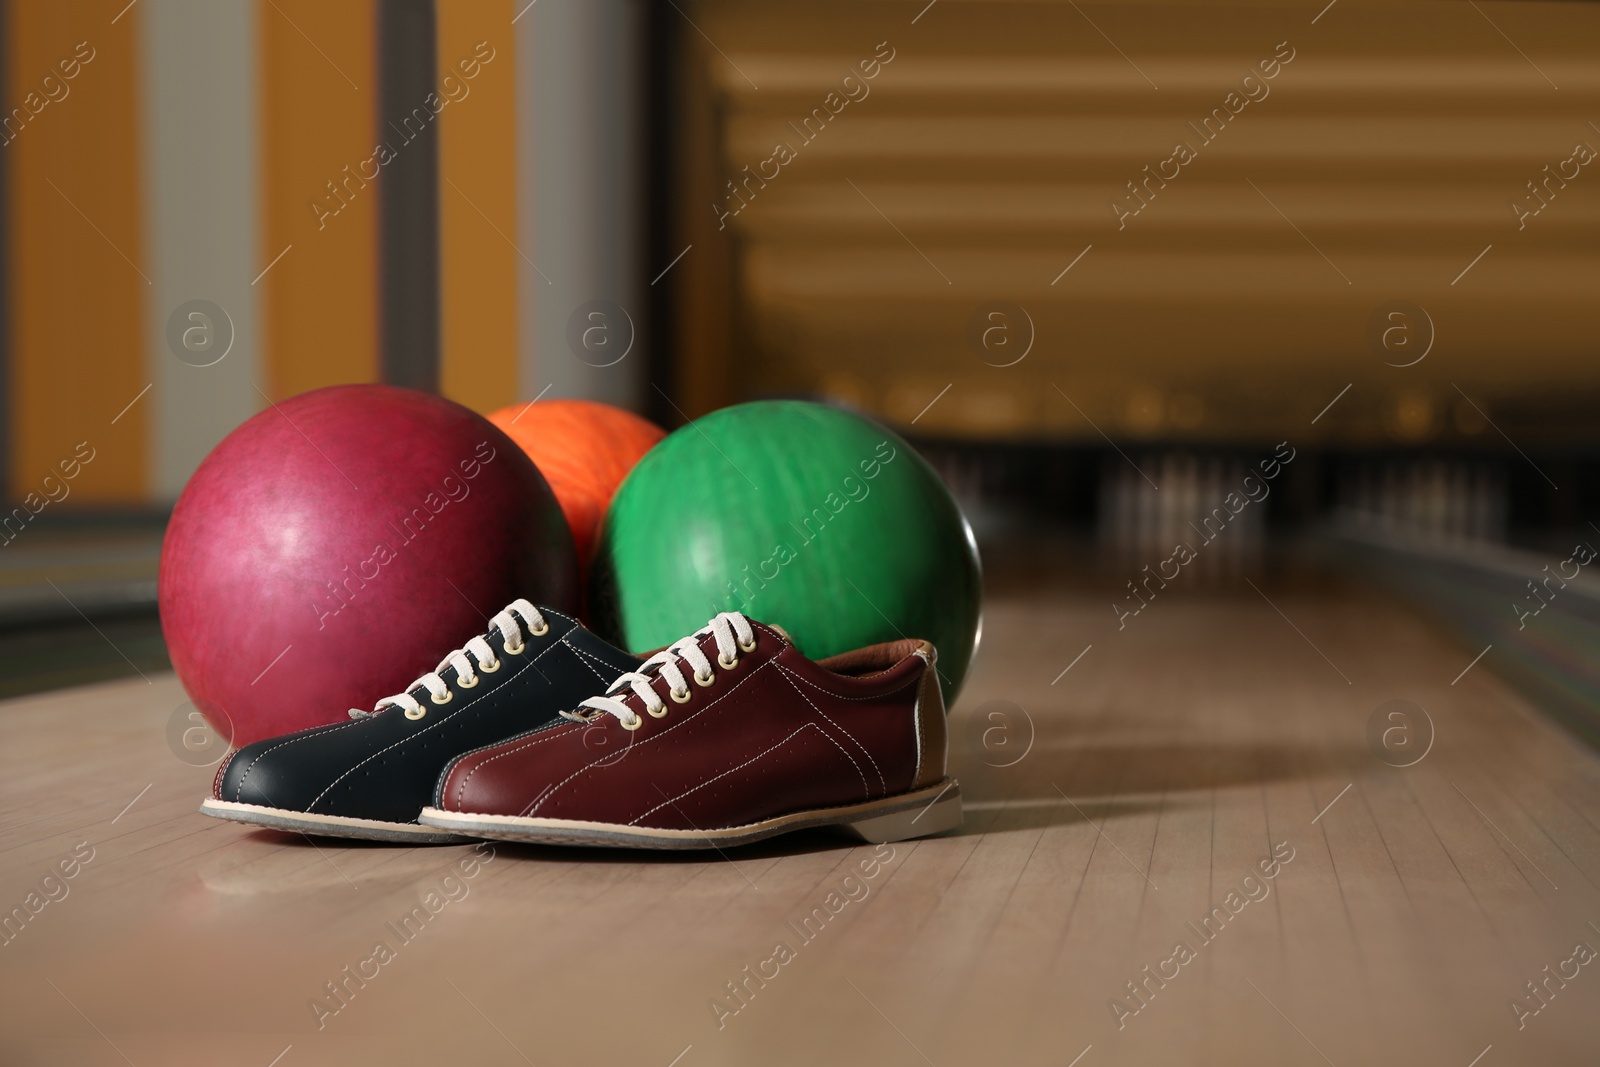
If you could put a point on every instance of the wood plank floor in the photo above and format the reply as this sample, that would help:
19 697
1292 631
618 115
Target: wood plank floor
1112 807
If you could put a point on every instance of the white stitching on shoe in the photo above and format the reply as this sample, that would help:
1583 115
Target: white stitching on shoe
539 738
812 811
238 791
683 721
790 676
589 659
811 725
837 696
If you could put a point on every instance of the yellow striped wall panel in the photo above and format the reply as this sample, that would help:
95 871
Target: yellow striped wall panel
319 204
78 274
478 203
228 155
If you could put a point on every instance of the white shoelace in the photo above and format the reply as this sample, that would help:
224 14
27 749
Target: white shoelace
733 634
466 669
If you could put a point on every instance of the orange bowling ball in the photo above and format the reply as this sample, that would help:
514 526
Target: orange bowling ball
584 450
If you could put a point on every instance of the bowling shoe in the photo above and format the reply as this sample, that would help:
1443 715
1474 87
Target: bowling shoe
371 776
726 737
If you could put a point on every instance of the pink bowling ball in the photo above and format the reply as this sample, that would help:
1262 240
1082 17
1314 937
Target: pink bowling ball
336 545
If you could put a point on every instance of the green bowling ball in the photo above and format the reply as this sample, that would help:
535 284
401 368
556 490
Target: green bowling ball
821 521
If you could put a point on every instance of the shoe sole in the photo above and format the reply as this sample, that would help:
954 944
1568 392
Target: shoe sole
327 825
917 814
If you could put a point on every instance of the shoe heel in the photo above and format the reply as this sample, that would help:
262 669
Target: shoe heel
942 813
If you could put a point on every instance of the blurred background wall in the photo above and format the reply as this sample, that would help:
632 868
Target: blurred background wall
1184 223
1094 259
1363 227
1024 153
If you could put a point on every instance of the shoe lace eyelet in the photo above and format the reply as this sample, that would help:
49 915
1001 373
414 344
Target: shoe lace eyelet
679 696
416 713
540 630
447 698
515 651
490 667
462 683
709 679
658 713
751 647
727 664
634 724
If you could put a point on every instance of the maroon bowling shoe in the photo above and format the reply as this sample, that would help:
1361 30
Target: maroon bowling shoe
726 737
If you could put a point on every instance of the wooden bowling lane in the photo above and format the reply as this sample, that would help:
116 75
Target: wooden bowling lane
1121 785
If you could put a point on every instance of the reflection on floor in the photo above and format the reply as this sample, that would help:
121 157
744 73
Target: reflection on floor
1186 843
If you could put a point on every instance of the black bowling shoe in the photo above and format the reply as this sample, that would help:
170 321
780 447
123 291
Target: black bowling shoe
371 777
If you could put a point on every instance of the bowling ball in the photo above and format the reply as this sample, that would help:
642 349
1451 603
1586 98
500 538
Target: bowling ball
584 450
335 546
821 521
